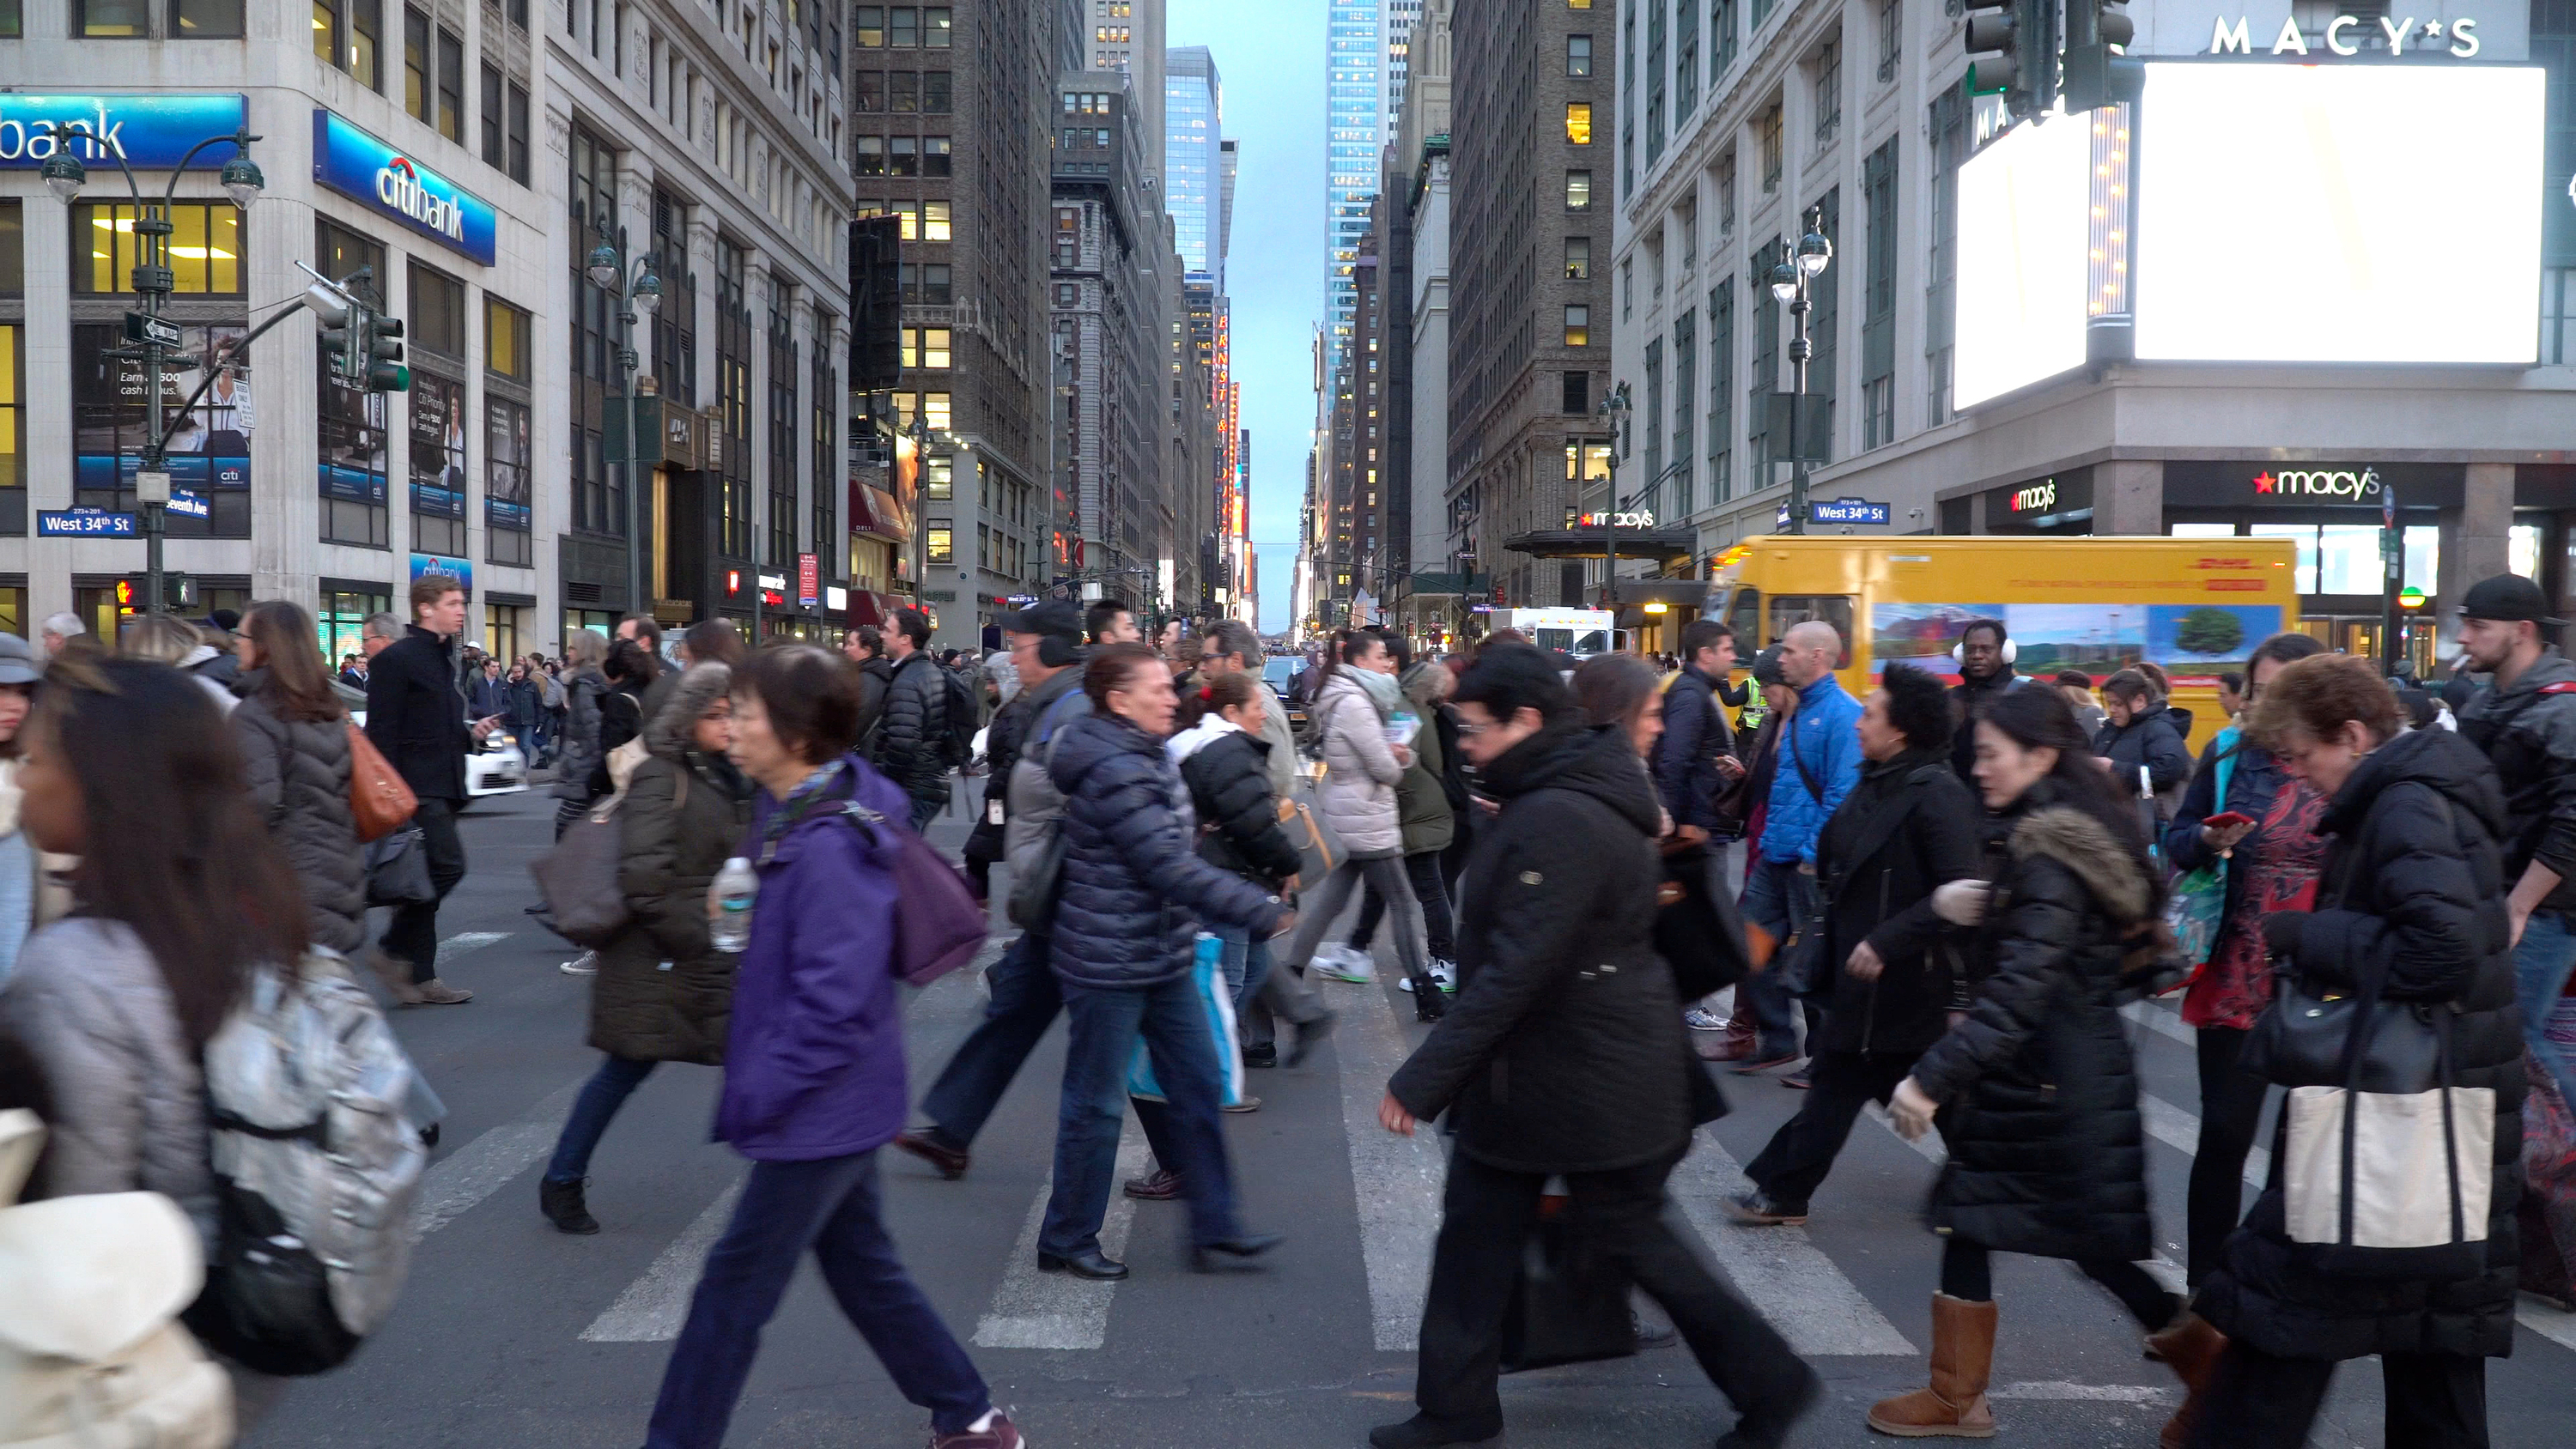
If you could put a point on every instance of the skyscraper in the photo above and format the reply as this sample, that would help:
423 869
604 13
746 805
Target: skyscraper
1193 114
1355 129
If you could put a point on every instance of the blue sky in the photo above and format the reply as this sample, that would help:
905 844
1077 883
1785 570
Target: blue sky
1270 58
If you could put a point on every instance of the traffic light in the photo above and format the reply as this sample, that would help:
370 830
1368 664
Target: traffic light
2096 75
384 355
876 303
2012 49
340 346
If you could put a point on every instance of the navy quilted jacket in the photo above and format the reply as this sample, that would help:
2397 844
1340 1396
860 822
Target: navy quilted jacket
1134 894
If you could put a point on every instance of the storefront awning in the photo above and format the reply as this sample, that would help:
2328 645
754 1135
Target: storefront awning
867 606
1655 543
874 512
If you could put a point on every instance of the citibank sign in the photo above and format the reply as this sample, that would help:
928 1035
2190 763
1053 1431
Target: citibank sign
358 165
2338 483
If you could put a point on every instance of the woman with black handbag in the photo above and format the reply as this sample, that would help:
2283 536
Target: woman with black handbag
2411 912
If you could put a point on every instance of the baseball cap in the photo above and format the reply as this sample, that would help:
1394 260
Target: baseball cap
1766 667
1047 616
18 662
2508 598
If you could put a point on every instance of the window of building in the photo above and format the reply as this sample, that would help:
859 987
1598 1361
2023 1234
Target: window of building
508 505
903 27
518 138
868 27
1685 395
925 347
936 156
349 423
935 28
1627 289
869 94
1878 312
1575 393
1578 191
13 247
495 153
868 155
1891 37
1578 258
903 156
823 454
419 89
925 284
1829 91
451 86
1721 38
785 426
112 19
206 19
598 491
733 400
903 92
12 23
941 545
1578 325
1947 146
675 322
1765 375
1685 61
2558 316
1655 17
13 403
1721 390
205 248
1578 123
937 93
1578 4
437 313
1769 126
1578 56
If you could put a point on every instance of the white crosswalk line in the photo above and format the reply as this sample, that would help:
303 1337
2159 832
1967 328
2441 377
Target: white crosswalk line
467 941
1788 1279
1058 1310
2163 1023
1396 1180
654 1305
2180 1130
458 1183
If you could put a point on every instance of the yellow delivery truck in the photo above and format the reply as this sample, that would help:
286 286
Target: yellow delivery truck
2196 607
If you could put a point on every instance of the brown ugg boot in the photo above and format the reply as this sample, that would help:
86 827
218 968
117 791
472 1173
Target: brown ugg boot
1963 1354
2191 1347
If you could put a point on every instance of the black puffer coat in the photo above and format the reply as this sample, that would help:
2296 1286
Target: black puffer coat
683 814
2150 740
578 753
1564 1049
2414 887
2038 1089
913 725
1228 773
1133 896
299 781
1908 827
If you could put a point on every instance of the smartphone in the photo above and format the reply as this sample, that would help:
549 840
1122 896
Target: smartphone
2226 820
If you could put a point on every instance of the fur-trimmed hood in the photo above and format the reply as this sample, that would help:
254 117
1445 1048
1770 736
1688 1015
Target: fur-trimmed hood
702 685
2108 868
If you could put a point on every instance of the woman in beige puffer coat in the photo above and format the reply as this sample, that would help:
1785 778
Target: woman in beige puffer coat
1353 708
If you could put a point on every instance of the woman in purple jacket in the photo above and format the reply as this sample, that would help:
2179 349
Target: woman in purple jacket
813 1080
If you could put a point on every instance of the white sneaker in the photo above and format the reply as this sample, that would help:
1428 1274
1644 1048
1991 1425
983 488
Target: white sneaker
1341 963
1445 971
585 964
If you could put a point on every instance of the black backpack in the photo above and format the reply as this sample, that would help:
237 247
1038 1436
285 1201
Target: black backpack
957 742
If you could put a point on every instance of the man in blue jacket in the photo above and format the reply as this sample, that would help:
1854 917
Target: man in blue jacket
1819 763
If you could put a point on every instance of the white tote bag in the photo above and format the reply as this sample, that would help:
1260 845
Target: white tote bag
2406 1171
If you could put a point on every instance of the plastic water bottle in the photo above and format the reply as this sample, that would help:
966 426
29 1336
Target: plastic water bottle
733 891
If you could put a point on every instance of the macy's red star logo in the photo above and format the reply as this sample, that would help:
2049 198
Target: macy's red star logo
2264 482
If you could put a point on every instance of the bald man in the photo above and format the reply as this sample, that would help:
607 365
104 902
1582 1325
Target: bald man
1819 762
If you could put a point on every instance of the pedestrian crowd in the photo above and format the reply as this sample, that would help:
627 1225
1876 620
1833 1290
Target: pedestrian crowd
1950 901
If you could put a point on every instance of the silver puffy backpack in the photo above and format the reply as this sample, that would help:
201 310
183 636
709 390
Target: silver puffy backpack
315 1169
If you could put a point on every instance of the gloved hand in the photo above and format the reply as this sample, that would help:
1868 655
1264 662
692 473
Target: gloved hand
2281 931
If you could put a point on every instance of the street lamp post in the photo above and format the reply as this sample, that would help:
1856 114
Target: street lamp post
1790 281
153 280
637 291
1614 412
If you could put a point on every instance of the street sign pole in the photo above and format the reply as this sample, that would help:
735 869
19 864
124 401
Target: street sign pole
2392 551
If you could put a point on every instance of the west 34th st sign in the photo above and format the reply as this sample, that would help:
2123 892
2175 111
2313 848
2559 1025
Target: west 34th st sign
2345 35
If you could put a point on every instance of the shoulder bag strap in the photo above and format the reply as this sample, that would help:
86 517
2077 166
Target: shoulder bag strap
1806 776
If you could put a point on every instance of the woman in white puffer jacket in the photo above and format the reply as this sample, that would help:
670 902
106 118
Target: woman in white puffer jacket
1354 708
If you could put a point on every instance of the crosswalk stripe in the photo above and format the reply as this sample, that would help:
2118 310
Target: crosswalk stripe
1787 1277
465 941
1396 1181
2167 1024
458 1183
654 1305
2180 1130
1058 1310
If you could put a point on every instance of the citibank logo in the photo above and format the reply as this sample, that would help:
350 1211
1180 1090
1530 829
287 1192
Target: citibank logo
398 186
2319 483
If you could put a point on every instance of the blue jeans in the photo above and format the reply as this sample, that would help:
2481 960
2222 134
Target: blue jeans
1105 1024
601 1096
1780 899
1025 1002
1246 964
829 1205
2540 967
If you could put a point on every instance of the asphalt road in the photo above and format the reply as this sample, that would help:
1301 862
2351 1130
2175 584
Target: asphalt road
512 1334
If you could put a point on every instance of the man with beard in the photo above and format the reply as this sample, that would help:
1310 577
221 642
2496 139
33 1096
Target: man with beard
1985 672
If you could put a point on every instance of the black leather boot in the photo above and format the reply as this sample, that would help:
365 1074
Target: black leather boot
561 1203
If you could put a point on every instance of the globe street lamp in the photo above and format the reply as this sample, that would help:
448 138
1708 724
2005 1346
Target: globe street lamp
638 292
153 280
1791 282
1614 411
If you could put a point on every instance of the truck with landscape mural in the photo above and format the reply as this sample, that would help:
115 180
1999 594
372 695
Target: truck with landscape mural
2194 607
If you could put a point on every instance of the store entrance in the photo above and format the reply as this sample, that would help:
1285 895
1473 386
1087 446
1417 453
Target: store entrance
2361 635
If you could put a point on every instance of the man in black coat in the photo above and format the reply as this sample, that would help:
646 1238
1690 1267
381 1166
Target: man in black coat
1906 829
1562 997
416 719
1985 673
914 728
1694 760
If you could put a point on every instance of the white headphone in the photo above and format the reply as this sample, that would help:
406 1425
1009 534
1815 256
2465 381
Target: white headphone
1958 651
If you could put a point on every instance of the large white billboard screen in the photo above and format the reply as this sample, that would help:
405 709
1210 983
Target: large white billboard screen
2023 259
2338 213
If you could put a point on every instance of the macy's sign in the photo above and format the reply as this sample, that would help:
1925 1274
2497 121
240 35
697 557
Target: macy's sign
2319 483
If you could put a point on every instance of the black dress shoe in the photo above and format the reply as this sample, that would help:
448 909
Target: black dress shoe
561 1203
1261 1056
1310 1034
934 1147
1211 1257
1091 1264
1424 1432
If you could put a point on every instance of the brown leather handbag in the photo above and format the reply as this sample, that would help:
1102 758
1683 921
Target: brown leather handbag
378 797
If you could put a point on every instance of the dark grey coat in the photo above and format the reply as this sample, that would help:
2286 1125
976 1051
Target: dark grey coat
299 781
